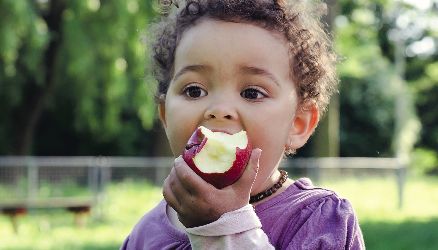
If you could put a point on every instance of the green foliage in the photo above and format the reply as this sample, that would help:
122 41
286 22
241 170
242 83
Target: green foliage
424 160
426 88
106 40
87 68
73 78
23 39
376 76
366 92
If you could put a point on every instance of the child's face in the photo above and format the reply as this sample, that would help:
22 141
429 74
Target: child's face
231 77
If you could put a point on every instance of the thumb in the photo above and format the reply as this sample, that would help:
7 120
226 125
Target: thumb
245 182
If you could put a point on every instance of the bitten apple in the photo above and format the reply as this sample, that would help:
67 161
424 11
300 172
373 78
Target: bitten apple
219 158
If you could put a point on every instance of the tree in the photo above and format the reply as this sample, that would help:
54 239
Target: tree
73 70
73 76
388 77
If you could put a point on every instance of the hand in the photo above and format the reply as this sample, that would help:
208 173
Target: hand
198 202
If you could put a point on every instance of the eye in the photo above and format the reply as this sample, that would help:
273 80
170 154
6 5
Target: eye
252 94
194 92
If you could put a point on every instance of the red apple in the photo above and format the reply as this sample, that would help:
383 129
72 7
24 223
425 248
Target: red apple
219 158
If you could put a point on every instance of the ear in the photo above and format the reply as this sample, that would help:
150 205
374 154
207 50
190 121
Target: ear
305 121
162 112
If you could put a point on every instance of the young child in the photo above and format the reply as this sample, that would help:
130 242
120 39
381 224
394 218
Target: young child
266 67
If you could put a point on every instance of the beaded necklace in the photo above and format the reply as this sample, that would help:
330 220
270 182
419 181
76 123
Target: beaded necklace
268 192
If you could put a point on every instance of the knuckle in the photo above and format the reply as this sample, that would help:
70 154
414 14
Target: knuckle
185 177
210 198
171 183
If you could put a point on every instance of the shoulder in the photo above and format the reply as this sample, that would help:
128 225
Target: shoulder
322 203
299 196
328 222
320 200
306 215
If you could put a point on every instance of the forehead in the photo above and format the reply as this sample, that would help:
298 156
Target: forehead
230 43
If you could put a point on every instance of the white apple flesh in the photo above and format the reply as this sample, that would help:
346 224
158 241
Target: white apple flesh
219 158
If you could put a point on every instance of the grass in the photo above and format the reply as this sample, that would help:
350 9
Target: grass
46 189
106 228
384 225
374 199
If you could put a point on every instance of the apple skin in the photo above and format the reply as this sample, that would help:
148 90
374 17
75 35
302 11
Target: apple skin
219 180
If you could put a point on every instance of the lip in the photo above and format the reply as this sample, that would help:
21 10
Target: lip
222 131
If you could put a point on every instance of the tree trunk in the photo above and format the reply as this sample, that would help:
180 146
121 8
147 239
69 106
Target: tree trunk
33 111
326 138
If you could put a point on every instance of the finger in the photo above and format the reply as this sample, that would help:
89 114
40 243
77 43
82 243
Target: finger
192 182
168 193
185 194
178 190
244 184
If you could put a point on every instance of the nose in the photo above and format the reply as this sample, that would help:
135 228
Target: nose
220 110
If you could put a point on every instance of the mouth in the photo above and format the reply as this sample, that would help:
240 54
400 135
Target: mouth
222 131
198 140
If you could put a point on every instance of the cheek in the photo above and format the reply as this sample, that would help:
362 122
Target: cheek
272 146
272 141
181 122
270 133
271 129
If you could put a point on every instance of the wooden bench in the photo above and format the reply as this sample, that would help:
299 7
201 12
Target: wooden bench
80 207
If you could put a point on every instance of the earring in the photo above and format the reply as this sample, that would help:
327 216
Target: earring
289 151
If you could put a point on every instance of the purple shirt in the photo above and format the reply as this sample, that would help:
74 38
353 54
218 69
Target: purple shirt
301 217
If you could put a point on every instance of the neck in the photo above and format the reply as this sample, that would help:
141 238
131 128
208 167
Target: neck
279 191
269 182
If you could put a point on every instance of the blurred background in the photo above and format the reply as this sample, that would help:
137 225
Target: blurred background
75 85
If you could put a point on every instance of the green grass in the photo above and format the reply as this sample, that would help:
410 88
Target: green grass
384 225
106 228
66 188
375 201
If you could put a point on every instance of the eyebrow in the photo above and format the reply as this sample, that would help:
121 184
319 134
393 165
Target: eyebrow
192 68
245 69
252 70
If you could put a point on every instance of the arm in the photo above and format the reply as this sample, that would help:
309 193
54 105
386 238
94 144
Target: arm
230 231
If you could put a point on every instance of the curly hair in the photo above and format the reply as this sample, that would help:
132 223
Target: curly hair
312 60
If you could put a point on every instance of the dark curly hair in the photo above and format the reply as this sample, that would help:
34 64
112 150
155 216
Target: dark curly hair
311 57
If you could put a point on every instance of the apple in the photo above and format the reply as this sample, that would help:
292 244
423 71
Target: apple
217 157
